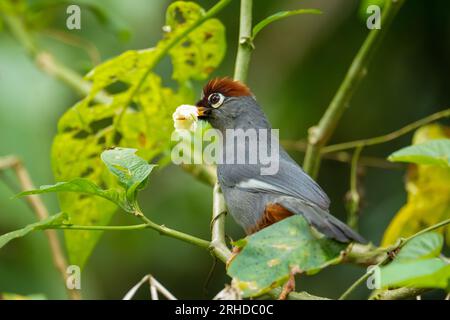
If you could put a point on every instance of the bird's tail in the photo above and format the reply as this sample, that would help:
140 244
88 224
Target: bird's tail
322 220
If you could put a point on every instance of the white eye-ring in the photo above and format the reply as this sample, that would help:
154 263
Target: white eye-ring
216 99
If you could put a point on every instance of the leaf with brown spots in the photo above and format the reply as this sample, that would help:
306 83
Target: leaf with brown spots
137 115
268 257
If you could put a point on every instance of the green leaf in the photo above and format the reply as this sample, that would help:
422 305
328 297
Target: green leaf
131 170
428 200
269 256
418 264
425 246
432 152
281 15
137 115
428 273
56 219
84 186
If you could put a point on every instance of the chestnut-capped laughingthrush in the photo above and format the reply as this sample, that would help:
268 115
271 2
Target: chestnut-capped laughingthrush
255 200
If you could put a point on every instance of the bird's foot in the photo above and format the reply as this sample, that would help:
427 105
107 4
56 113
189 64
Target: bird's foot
234 252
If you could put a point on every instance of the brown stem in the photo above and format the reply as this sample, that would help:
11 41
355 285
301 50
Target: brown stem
41 212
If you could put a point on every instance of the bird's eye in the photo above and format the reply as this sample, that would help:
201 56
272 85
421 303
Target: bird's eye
216 99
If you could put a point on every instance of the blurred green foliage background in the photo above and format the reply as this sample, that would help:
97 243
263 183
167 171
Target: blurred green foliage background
295 71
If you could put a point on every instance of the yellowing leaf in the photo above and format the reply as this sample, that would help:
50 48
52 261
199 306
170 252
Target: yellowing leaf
428 188
197 55
136 114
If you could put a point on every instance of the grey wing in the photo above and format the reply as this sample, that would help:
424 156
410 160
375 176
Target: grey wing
290 180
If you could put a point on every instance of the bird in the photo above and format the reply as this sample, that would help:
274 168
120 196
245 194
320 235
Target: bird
254 200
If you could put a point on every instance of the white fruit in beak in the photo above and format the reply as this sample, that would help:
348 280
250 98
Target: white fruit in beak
185 117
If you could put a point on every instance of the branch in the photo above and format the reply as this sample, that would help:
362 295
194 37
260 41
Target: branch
403 292
343 156
398 294
172 42
218 243
245 46
275 293
47 62
320 134
155 286
387 137
163 230
354 197
41 212
365 255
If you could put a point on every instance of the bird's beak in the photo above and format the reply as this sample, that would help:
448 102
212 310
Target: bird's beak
203 111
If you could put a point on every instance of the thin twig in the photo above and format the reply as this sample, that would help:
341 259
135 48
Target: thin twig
41 212
74 40
320 134
387 137
343 156
163 230
47 62
154 285
406 292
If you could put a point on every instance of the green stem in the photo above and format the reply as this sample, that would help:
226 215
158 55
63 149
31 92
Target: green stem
430 228
398 294
99 228
387 137
319 135
218 243
147 225
172 42
245 46
174 233
400 243
354 286
353 205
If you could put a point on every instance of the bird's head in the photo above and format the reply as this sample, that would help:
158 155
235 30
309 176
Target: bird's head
229 104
